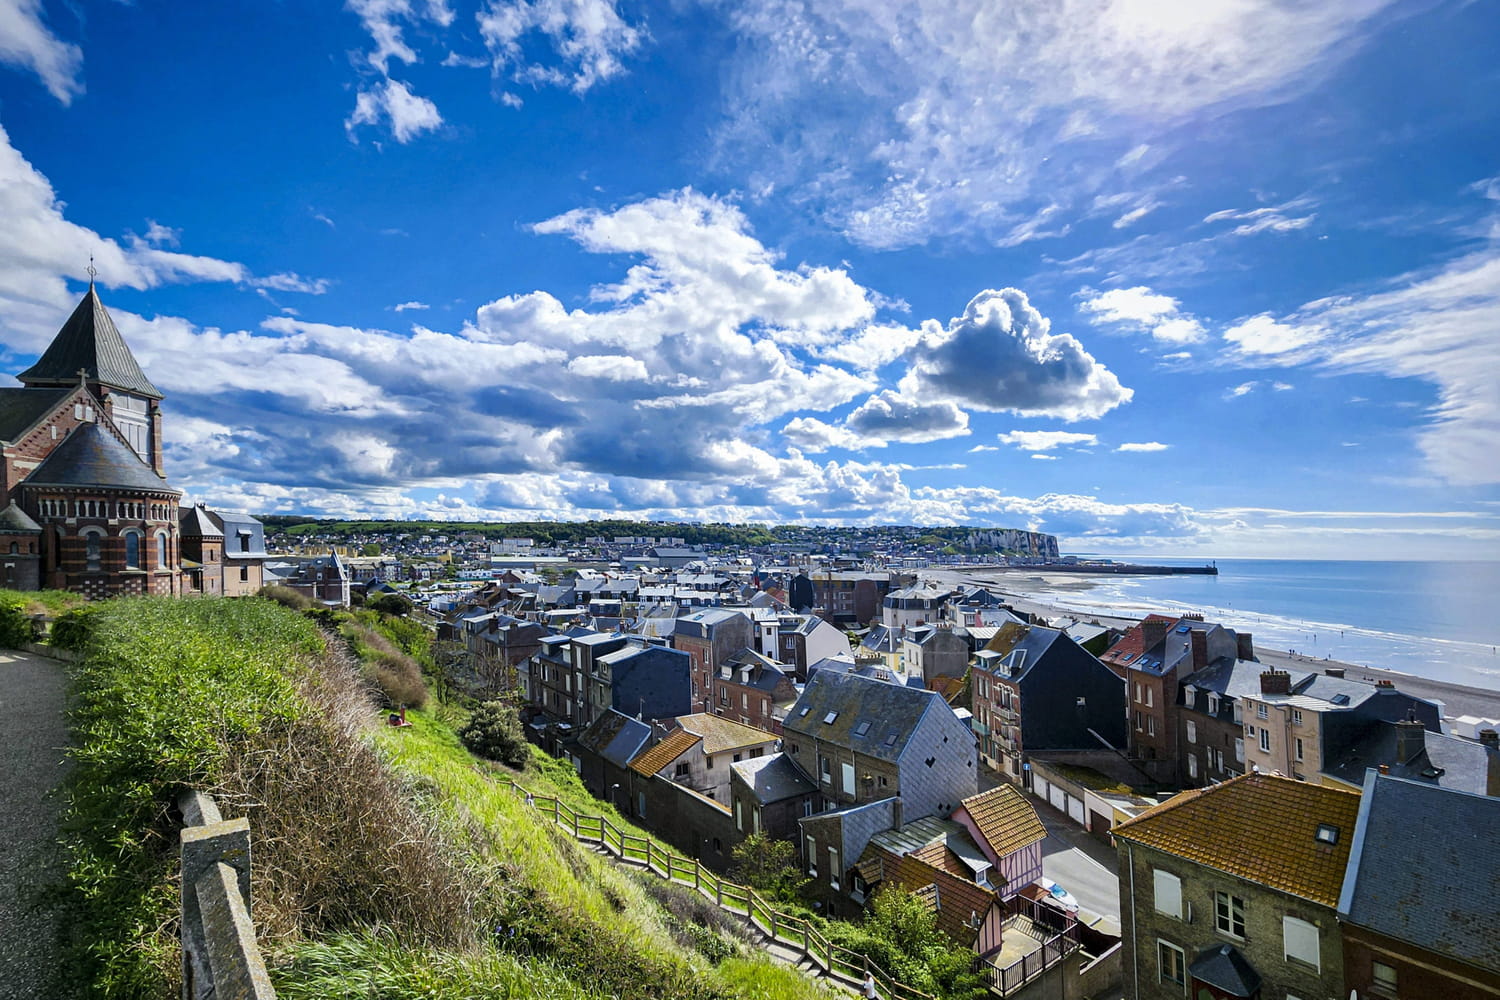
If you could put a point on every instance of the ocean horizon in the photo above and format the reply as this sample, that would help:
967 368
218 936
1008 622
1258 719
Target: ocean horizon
1429 618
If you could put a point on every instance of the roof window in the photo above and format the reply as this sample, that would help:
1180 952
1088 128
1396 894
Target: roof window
890 739
1327 834
1184 629
828 719
1127 657
862 729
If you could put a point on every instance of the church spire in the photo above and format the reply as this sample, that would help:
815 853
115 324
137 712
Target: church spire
89 341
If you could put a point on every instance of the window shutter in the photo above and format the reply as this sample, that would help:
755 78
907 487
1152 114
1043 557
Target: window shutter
1301 941
848 770
1168 888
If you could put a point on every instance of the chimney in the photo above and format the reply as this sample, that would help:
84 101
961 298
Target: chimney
1200 648
1152 632
1244 647
1410 739
1385 769
1275 682
1385 687
1490 738
1334 672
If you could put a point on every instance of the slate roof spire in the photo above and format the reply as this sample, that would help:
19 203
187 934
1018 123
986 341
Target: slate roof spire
89 342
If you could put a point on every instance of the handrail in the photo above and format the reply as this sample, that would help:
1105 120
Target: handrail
793 932
219 955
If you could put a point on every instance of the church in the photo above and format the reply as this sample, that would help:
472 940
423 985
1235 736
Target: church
87 504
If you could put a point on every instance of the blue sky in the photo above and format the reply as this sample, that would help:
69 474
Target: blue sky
1158 276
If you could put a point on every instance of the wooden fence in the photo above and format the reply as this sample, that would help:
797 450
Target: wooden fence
792 932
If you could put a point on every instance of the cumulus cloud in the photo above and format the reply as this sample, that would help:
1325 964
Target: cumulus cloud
892 120
1142 309
27 43
588 39
1001 356
1263 335
393 103
1143 446
1046 440
890 416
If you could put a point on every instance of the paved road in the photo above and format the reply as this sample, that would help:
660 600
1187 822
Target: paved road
31 766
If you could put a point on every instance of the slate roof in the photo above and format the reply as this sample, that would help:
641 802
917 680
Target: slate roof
772 779
1005 819
13 519
196 524
669 749
1426 869
92 456
20 408
1022 647
90 341
1238 679
1448 761
1223 967
722 735
1259 827
892 711
616 737
1133 643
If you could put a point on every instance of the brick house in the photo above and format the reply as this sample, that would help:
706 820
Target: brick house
709 638
1233 891
848 598
930 652
754 690
1418 907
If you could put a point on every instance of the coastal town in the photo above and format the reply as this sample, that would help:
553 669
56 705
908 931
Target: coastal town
1091 807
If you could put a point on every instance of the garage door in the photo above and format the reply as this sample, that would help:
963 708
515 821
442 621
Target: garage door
1075 810
1058 798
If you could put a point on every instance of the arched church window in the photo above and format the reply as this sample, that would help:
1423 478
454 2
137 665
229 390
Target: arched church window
132 550
15 548
161 550
92 550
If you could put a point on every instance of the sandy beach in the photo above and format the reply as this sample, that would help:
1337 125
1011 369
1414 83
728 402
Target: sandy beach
1021 589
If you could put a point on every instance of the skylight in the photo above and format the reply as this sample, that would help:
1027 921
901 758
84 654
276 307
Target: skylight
830 717
890 739
1327 834
862 729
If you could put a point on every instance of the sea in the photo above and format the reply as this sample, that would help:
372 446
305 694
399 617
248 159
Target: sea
1433 619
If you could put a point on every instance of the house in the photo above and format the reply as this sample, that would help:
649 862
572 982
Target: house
768 794
322 578
913 606
1407 748
880 755
930 652
1418 909
710 637
936 861
847 598
558 672
244 551
1170 652
604 752
202 551
1233 891
801 640
1035 689
1005 826
754 690
498 644
882 645
641 679
699 751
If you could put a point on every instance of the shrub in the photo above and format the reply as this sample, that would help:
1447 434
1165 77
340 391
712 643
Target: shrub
286 597
494 731
16 625
75 628
391 604
393 672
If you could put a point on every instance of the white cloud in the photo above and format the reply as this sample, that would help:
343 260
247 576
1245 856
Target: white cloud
613 367
160 235
983 447
890 416
407 306
392 102
1273 218
1143 309
1262 335
815 436
908 121
1046 440
587 37
1001 356
27 43
288 282
1243 389
1143 446
1045 458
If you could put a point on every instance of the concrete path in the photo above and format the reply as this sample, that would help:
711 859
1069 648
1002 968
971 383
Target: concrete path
32 765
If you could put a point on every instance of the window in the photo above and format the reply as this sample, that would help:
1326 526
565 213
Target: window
1296 716
244 541
1327 834
1172 962
1150 699
1192 731
828 719
681 771
825 769
1138 725
1265 741
1299 748
848 776
1239 749
1150 725
132 550
1192 760
1213 704
161 551
710 762
812 857
1300 942
1229 915
91 551
1261 711
739 819
862 729
833 868
1382 979
1168 891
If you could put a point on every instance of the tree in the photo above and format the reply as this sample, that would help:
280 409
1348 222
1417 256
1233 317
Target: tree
391 604
494 731
370 549
767 864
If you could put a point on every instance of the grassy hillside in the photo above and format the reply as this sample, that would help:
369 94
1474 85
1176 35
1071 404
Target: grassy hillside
388 863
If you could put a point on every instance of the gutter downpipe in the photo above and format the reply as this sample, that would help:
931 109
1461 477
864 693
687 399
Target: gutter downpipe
1135 950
